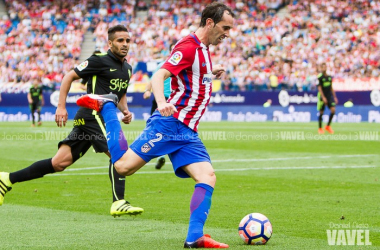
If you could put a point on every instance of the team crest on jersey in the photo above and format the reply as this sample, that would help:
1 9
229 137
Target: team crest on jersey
145 148
82 66
176 58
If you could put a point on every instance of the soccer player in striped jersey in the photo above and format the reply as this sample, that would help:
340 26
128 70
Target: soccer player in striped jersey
147 94
172 129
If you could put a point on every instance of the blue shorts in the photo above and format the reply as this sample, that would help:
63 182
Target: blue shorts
167 135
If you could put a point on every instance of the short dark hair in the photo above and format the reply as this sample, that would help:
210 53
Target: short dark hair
114 29
215 11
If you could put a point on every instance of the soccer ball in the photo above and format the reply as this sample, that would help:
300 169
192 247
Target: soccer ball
255 229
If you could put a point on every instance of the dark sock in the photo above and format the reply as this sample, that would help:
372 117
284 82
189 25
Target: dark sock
320 120
117 183
39 116
330 118
34 171
32 117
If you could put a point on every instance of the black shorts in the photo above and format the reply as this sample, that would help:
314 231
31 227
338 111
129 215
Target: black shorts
321 105
86 133
35 106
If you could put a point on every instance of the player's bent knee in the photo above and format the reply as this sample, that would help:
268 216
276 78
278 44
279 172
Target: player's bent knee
129 163
60 164
62 159
122 168
210 178
201 172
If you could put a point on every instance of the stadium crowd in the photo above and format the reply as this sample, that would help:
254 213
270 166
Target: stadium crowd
39 39
275 44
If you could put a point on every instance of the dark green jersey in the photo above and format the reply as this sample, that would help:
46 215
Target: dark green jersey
35 93
106 74
325 81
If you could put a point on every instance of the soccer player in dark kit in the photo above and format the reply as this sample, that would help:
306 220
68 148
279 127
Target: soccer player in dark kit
326 96
35 100
107 73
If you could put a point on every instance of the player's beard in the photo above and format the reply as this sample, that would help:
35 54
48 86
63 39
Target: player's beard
119 53
123 51
216 42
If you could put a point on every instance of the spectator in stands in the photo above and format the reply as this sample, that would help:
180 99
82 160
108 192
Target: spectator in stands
282 38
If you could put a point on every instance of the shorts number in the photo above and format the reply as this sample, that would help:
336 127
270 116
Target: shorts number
159 138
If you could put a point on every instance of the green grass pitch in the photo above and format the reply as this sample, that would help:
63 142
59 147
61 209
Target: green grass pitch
303 182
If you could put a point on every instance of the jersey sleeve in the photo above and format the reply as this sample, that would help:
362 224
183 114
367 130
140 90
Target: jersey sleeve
89 67
182 57
130 72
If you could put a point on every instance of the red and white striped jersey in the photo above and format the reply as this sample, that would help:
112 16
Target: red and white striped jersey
191 83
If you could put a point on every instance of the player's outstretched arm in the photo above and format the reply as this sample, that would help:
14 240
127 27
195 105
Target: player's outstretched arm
165 109
61 112
148 90
123 107
42 100
322 95
30 101
334 95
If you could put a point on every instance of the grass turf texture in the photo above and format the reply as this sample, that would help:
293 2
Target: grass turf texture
303 186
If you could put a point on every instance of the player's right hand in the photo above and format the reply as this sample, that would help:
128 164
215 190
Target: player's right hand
324 100
61 117
218 70
166 109
147 94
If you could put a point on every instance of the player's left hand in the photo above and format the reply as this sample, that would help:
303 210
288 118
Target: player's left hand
218 70
336 100
127 117
166 109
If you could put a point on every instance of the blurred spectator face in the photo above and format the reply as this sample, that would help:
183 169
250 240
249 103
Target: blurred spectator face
120 44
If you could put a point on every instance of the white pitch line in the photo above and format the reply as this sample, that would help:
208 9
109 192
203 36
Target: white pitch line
91 168
292 168
292 158
236 169
247 160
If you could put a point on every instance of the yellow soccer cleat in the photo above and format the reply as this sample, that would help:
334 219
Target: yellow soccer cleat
122 207
5 185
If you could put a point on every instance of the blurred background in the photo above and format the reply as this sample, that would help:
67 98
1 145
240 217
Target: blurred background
272 56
